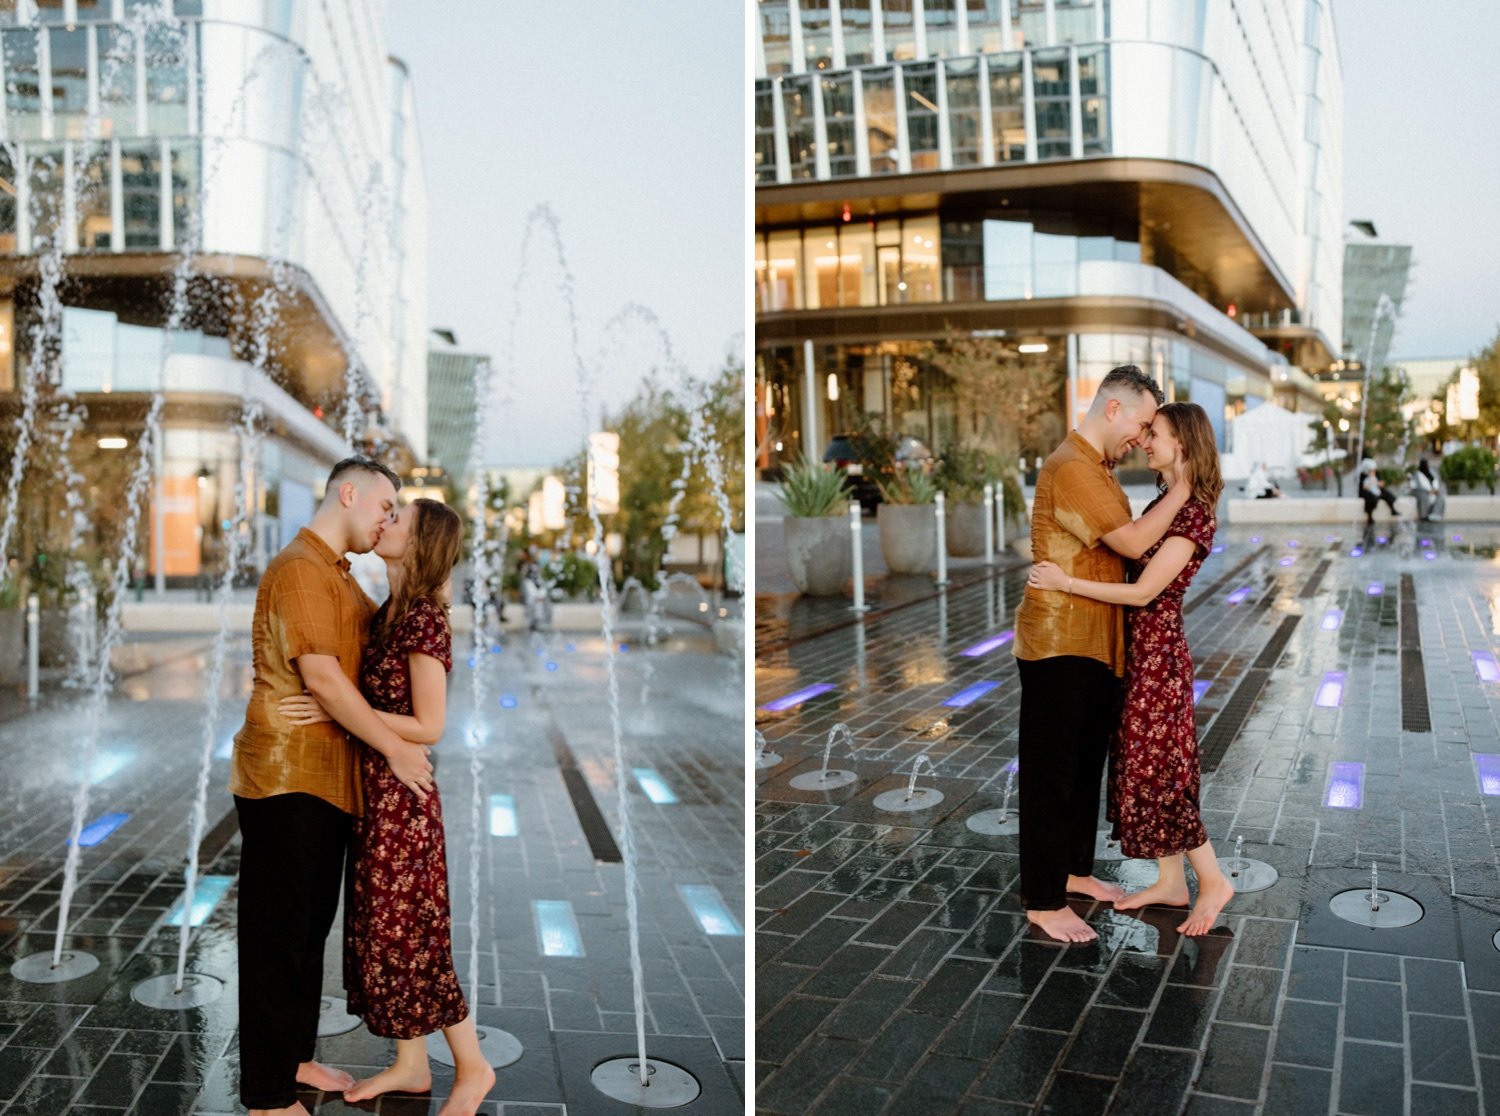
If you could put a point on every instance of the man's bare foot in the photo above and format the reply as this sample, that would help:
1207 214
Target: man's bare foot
1095 888
326 1078
392 1079
1063 925
1157 895
1212 897
468 1093
295 1110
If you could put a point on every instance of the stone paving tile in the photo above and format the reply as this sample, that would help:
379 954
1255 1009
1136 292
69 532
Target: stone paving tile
86 1046
1280 1010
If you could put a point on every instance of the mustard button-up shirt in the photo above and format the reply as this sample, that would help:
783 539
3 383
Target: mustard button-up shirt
308 604
1078 502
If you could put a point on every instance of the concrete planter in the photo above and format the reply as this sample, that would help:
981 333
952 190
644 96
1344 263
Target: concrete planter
819 554
965 530
12 645
908 537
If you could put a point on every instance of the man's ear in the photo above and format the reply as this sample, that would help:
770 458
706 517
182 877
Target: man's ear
347 494
1112 409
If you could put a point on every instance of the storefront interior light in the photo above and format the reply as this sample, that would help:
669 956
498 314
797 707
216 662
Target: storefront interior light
833 387
1036 347
113 443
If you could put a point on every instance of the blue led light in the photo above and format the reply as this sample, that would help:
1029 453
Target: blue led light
206 897
556 929
1332 619
1293 543
551 666
797 698
1013 765
495 650
1219 549
503 821
1346 786
984 647
473 662
1487 764
1287 561
98 829
507 701
624 647
1331 690
1485 666
1458 538
1200 688
1356 552
1381 539
570 648
1375 588
107 764
1430 555
709 909
1255 538
654 785
1238 595
970 694
1426 544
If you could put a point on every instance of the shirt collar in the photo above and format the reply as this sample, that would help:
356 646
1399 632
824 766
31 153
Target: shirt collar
322 549
1084 446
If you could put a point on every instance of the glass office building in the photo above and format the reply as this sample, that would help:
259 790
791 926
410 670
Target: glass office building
271 145
1156 182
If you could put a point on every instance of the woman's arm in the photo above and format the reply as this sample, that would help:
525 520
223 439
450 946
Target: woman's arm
1165 565
1137 537
429 694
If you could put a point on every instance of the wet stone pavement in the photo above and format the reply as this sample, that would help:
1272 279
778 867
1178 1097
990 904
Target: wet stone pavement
546 813
895 972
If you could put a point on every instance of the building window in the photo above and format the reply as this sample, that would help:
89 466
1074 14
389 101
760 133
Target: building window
1093 88
23 85
1008 108
1075 21
70 82
765 132
116 81
817 34
45 176
1031 23
7 200
922 115
1054 104
880 120
185 179
963 261
776 35
963 111
858 35
167 81
900 31
801 133
783 271
140 183
942 28
94 226
838 124
986 32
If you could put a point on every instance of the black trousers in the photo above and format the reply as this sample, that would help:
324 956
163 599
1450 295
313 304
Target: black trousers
1070 706
291 876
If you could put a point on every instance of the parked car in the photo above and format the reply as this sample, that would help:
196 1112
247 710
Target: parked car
864 468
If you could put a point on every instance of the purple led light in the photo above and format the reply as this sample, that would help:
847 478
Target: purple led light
1488 766
1217 549
986 646
1332 619
1430 555
1381 539
1458 538
1331 691
1486 667
1293 543
1013 765
1287 561
1238 595
1375 588
970 694
1346 786
1330 538
1255 538
784 703
1356 552
1426 544
1199 689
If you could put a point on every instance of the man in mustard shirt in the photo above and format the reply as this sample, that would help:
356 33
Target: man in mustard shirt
297 788
1070 651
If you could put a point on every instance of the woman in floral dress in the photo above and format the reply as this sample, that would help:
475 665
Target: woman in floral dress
398 951
1153 773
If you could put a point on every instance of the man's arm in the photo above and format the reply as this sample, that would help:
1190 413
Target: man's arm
1135 538
327 682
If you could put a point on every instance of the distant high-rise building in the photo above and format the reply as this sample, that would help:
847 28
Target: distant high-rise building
451 408
1094 182
1372 268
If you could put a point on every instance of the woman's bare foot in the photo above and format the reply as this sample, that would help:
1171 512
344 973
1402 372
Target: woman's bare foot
1062 924
1095 888
1212 896
1157 895
392 1079
468 1093
326 1078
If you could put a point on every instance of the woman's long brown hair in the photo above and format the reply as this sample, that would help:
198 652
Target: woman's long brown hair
433 547
1199 447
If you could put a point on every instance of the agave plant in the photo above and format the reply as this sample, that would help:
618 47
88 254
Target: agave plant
810 491
909 486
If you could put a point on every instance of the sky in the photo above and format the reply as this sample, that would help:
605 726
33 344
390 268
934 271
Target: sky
1422 159
627 121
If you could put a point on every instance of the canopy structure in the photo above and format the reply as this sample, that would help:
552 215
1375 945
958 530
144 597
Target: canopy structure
1274 437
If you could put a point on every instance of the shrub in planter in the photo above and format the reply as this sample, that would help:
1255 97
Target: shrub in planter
818 553
1472 465
908 522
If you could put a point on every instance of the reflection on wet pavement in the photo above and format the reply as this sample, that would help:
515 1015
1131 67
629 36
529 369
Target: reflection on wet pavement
896 972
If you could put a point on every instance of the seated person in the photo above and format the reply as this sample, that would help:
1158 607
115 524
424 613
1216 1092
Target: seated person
1261 485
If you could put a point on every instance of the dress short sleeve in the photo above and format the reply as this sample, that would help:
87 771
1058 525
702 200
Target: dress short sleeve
425 630
1195 523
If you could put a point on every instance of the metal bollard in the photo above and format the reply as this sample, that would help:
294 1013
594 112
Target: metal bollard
33 643
1000 517
856 536
942 540
989 525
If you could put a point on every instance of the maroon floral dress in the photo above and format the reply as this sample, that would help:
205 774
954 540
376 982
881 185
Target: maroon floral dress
1153 771
398 943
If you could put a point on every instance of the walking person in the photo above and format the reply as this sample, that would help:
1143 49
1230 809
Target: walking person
398 942
1154 771
297 787
1070 650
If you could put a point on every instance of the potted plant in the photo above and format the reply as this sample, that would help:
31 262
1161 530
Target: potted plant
1471 466
818 553
908 522
962 474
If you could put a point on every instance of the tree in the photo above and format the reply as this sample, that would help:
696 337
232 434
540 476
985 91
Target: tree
1386 428
1007 404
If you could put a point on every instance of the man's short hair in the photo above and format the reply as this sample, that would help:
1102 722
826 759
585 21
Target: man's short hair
358 464
1129 378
